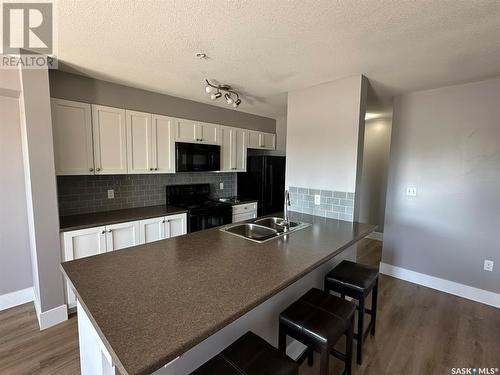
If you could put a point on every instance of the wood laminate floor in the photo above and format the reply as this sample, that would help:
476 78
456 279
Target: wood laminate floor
420 331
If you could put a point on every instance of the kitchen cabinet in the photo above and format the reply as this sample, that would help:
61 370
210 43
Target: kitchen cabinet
261 140
122 235
163 145
79 244
163 227
139 142
196 132
72 133
110 140
245 211
233 149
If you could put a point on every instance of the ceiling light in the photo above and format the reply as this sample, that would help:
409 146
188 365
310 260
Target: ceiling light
229 99
215 93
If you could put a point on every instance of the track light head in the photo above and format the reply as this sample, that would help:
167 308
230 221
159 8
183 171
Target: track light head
215 95
237 103
229 99
209 89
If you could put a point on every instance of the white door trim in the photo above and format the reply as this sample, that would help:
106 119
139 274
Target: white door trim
443 285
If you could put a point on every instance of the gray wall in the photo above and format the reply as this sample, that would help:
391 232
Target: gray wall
446 142
84 194
15 261
40 183
375 170
79 88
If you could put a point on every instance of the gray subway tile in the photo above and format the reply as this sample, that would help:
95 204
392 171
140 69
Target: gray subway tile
347 203
350 195
314 191
327 193
303 191
340 194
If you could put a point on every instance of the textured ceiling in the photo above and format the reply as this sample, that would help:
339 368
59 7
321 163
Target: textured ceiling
266 48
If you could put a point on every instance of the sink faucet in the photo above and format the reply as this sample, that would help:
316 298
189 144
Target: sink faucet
286 219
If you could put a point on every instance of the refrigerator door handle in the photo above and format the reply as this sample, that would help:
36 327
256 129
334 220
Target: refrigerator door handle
271 185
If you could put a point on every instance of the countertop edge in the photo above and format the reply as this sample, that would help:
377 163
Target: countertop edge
204 335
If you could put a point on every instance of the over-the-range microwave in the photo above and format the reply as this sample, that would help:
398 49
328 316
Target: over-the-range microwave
194 157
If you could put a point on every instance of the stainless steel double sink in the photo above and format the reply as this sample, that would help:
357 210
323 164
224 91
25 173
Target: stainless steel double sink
263 229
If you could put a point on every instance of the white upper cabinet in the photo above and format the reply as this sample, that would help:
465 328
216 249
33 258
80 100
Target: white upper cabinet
196 132
110 140
234 149
261 140
72 132
139 142
208 133
120 236
163 145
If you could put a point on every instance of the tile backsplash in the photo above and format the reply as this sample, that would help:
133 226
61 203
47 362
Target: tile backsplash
333 204
86 194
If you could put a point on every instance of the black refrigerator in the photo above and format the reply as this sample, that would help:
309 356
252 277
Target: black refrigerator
264 180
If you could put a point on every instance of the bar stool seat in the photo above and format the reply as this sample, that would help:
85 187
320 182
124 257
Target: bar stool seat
356 281
249 355
319 320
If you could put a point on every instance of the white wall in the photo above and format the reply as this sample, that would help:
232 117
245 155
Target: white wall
323 130
15 263
446 143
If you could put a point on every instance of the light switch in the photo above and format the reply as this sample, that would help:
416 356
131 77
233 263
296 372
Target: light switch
221 186
317 200
111 194
488 265
411 191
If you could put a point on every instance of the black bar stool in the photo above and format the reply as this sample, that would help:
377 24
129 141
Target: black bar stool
249 355
319 320
356 281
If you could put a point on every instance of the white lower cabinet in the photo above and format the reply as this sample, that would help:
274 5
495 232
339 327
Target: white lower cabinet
98 240
245 211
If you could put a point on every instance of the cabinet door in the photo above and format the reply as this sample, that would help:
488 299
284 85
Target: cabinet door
120 236
151 230
79 244
110 140
239 150
163 145
254 139
72 133
139 142
268 141
226 149
185 130
175 225
208 133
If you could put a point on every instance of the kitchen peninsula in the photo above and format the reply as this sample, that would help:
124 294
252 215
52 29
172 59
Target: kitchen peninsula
167 306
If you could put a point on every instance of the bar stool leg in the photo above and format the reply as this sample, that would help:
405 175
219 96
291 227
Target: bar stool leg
360 335
348 348
374 308
310 357
324 361
281 340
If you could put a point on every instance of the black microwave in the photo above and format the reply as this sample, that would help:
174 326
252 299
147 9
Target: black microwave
195 157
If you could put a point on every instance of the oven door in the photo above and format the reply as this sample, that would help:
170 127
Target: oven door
208 219
192 157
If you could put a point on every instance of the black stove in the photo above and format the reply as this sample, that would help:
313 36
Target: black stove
203 212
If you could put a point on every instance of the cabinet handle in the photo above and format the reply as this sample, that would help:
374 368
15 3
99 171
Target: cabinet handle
151 169
156 169
103 232
91 169
110 230
98 169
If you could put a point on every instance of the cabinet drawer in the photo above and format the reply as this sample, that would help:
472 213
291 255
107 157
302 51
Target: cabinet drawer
244 208
244 216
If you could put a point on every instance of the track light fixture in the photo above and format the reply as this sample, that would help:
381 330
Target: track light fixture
231 96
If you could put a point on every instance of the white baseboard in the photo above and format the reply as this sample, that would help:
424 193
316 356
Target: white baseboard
49 318
379 236
443 285
16 298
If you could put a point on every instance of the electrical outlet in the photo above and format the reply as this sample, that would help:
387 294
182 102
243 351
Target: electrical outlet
488 265
221 186
411 191
317 200
111 194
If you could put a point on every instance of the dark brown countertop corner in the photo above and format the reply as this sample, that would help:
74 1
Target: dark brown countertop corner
95 219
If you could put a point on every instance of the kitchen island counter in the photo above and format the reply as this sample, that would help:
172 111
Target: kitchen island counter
153 302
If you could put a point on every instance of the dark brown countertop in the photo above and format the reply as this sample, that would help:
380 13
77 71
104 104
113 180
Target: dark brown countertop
153 302
74 222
